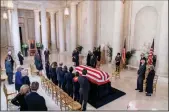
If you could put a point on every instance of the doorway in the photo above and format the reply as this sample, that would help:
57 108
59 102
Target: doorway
21 39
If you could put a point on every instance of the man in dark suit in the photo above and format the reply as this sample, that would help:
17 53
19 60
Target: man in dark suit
141 76
34 101
93 61
46 53
68 78
84 89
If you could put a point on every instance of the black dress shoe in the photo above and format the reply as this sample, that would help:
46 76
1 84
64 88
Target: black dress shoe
148 94
140 91
136 89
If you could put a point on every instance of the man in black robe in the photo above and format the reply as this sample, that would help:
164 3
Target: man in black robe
89 58
20 57
93 61
75 57
141 76
46 53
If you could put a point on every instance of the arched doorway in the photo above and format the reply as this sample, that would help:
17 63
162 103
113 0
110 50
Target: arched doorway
145 30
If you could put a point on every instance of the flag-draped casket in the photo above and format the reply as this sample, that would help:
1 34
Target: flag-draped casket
95 76
99 82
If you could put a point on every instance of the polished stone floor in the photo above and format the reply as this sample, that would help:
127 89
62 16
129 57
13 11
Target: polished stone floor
126 83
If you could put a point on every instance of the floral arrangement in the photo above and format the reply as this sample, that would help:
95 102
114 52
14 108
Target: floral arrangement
39 45
24 46
129 54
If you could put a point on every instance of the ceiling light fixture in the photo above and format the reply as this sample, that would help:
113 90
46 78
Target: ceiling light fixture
66 11
5 11
5 15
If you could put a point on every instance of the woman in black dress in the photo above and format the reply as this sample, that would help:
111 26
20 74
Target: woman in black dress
25 78
20 57
19 100
38 63
149 82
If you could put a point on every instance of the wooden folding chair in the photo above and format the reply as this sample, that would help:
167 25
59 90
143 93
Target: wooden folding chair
9 96
74 106
155 83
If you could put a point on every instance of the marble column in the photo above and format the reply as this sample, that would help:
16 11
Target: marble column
118 25
61 32
57 30
162 56
44 27
37 26
90 25
73 26
10 43
15 30
53 35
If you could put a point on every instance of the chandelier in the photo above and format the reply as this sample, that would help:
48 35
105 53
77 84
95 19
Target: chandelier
5 12
66 11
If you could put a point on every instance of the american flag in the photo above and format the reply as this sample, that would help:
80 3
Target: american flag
150 56
124 53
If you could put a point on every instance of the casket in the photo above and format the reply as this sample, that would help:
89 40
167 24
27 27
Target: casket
95 76
99 82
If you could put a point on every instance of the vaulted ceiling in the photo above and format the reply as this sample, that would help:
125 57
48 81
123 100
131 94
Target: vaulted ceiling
32 4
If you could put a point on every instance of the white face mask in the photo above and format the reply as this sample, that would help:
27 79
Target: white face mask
9 53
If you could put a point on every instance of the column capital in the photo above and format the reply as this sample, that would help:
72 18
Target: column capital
52 12
61 10
36 10
74 3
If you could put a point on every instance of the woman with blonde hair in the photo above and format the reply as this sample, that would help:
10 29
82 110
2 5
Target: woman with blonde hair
19 100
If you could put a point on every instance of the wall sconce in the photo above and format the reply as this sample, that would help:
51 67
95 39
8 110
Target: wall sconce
5 15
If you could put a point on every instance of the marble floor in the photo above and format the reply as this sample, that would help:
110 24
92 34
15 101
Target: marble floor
126 83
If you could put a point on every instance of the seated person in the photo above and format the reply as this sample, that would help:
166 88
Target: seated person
149 81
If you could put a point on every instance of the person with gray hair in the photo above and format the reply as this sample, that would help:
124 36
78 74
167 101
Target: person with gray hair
149 80
34 101
18 78
141 76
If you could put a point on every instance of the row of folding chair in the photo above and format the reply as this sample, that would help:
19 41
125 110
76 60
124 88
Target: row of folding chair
59 95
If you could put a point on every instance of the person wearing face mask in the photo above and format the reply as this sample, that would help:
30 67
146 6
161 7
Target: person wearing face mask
142 58
118 59
9 70
11 58
141 76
